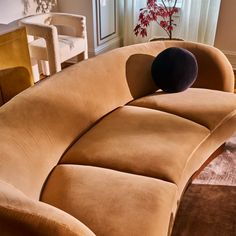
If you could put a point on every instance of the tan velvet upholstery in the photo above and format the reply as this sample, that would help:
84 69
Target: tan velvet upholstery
145 144
200 106
138 154
189 104
107 201
20 215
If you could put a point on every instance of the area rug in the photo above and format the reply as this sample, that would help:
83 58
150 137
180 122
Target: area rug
222 170
207 210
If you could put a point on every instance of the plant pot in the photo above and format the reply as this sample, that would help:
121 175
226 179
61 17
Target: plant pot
163 39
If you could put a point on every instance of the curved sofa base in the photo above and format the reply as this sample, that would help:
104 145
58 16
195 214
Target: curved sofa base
214 155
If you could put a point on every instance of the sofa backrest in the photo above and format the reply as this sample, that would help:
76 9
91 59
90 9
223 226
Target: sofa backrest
215 71
40 124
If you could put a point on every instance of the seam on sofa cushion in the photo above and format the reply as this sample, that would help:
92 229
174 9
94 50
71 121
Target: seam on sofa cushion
79 178
163 110
99 120
82 134
225 119
170 113
154 111
173 113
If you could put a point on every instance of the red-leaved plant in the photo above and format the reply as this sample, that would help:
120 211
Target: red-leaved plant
162 13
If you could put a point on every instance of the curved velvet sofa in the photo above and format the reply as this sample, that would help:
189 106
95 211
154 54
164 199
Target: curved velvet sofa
97 149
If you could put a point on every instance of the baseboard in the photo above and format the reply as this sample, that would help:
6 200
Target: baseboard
231 55
111 44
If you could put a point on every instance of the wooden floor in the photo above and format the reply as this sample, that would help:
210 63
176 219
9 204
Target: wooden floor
207 210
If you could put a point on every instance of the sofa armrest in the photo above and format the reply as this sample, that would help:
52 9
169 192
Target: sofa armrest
20 215
215 71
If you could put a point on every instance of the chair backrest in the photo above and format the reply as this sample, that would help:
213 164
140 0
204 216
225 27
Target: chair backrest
75 22
13 81
14 54
14 50
40 124
45 18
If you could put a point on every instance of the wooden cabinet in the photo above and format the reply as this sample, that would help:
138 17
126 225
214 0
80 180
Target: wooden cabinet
102 18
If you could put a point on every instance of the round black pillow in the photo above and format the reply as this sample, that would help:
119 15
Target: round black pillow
174 70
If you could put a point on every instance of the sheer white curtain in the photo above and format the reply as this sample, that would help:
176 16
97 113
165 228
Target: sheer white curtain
198 20
131 12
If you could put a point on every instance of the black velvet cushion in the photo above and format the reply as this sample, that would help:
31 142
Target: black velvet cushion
174 70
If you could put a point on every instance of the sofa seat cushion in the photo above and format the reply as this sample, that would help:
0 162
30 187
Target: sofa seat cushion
111 202
140 141
203 106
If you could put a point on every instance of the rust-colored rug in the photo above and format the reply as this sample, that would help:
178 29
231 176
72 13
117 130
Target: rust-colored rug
207 210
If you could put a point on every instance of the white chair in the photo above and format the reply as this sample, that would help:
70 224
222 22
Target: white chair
49 45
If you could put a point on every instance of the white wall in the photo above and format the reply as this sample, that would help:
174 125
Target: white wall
96 23
10 10
81 7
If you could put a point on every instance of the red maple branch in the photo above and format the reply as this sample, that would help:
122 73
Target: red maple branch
159 13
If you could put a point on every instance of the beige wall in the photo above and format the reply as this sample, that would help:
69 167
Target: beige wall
226 30
11 10
98 23
81 7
